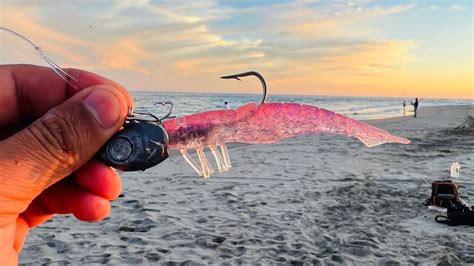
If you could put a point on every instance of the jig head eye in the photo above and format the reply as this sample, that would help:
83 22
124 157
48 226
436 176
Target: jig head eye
138 146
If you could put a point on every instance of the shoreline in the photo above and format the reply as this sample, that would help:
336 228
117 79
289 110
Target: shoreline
295 95
428 111
362 108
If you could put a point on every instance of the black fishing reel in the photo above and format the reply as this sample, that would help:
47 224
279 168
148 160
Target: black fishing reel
141 144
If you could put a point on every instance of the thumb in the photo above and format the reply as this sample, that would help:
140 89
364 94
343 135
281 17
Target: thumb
61 141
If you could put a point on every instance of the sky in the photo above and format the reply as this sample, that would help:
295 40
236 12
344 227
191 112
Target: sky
351 48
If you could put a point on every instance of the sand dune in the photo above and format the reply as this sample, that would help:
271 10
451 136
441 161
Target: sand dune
317 199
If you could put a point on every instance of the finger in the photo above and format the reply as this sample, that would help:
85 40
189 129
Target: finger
99 179
87 206
8 255
30 91
21 231
12 129
49 202
66 197
58 143
38 213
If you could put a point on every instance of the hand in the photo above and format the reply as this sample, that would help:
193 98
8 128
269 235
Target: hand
48 134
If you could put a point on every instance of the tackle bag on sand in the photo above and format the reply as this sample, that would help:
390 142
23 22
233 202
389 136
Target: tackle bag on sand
458 214
444 194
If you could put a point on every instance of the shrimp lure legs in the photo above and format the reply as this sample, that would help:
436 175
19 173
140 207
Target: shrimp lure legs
260 123
145 138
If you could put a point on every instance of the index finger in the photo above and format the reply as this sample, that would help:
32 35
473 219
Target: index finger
28 91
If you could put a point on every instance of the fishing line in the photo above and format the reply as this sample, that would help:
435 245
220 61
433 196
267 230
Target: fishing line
74 83
70 80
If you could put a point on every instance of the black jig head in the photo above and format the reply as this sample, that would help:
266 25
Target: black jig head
141 144
138 146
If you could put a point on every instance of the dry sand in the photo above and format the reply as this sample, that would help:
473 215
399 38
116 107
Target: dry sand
317 199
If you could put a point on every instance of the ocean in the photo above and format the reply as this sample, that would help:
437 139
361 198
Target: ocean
362 108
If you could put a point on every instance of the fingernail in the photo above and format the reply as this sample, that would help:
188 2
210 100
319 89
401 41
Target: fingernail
104 105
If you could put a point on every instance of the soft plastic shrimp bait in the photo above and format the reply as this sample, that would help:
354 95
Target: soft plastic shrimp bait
145 139
260 123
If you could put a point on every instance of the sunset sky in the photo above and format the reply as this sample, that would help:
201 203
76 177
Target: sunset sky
377 48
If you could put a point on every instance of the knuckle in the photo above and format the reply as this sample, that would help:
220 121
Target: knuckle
58 138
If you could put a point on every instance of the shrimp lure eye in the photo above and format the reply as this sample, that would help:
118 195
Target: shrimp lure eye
138 146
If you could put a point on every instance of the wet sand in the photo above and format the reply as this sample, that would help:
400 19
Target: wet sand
315 199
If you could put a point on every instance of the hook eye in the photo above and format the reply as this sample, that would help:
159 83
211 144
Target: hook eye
171 104
143 117
251 73
147 116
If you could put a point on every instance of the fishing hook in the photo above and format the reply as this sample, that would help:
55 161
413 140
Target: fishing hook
142 117
251 73
149 117
170 103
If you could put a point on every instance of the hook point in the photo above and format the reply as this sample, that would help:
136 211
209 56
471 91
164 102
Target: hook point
251 73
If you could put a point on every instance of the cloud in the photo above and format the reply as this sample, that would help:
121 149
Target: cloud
124 54
185 43
456 7
363 62
49 39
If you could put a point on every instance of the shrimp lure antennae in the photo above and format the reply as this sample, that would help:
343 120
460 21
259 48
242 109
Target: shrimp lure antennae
251 73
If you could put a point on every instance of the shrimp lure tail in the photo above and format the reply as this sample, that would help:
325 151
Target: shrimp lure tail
261 123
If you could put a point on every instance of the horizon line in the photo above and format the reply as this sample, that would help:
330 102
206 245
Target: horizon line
311 95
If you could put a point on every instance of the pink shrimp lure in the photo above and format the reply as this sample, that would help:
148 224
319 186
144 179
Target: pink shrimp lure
260 123
251 123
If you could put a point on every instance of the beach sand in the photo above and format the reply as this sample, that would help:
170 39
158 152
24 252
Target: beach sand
317 199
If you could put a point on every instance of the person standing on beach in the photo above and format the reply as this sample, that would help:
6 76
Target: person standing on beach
415 106
49 133
404 105
227 106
